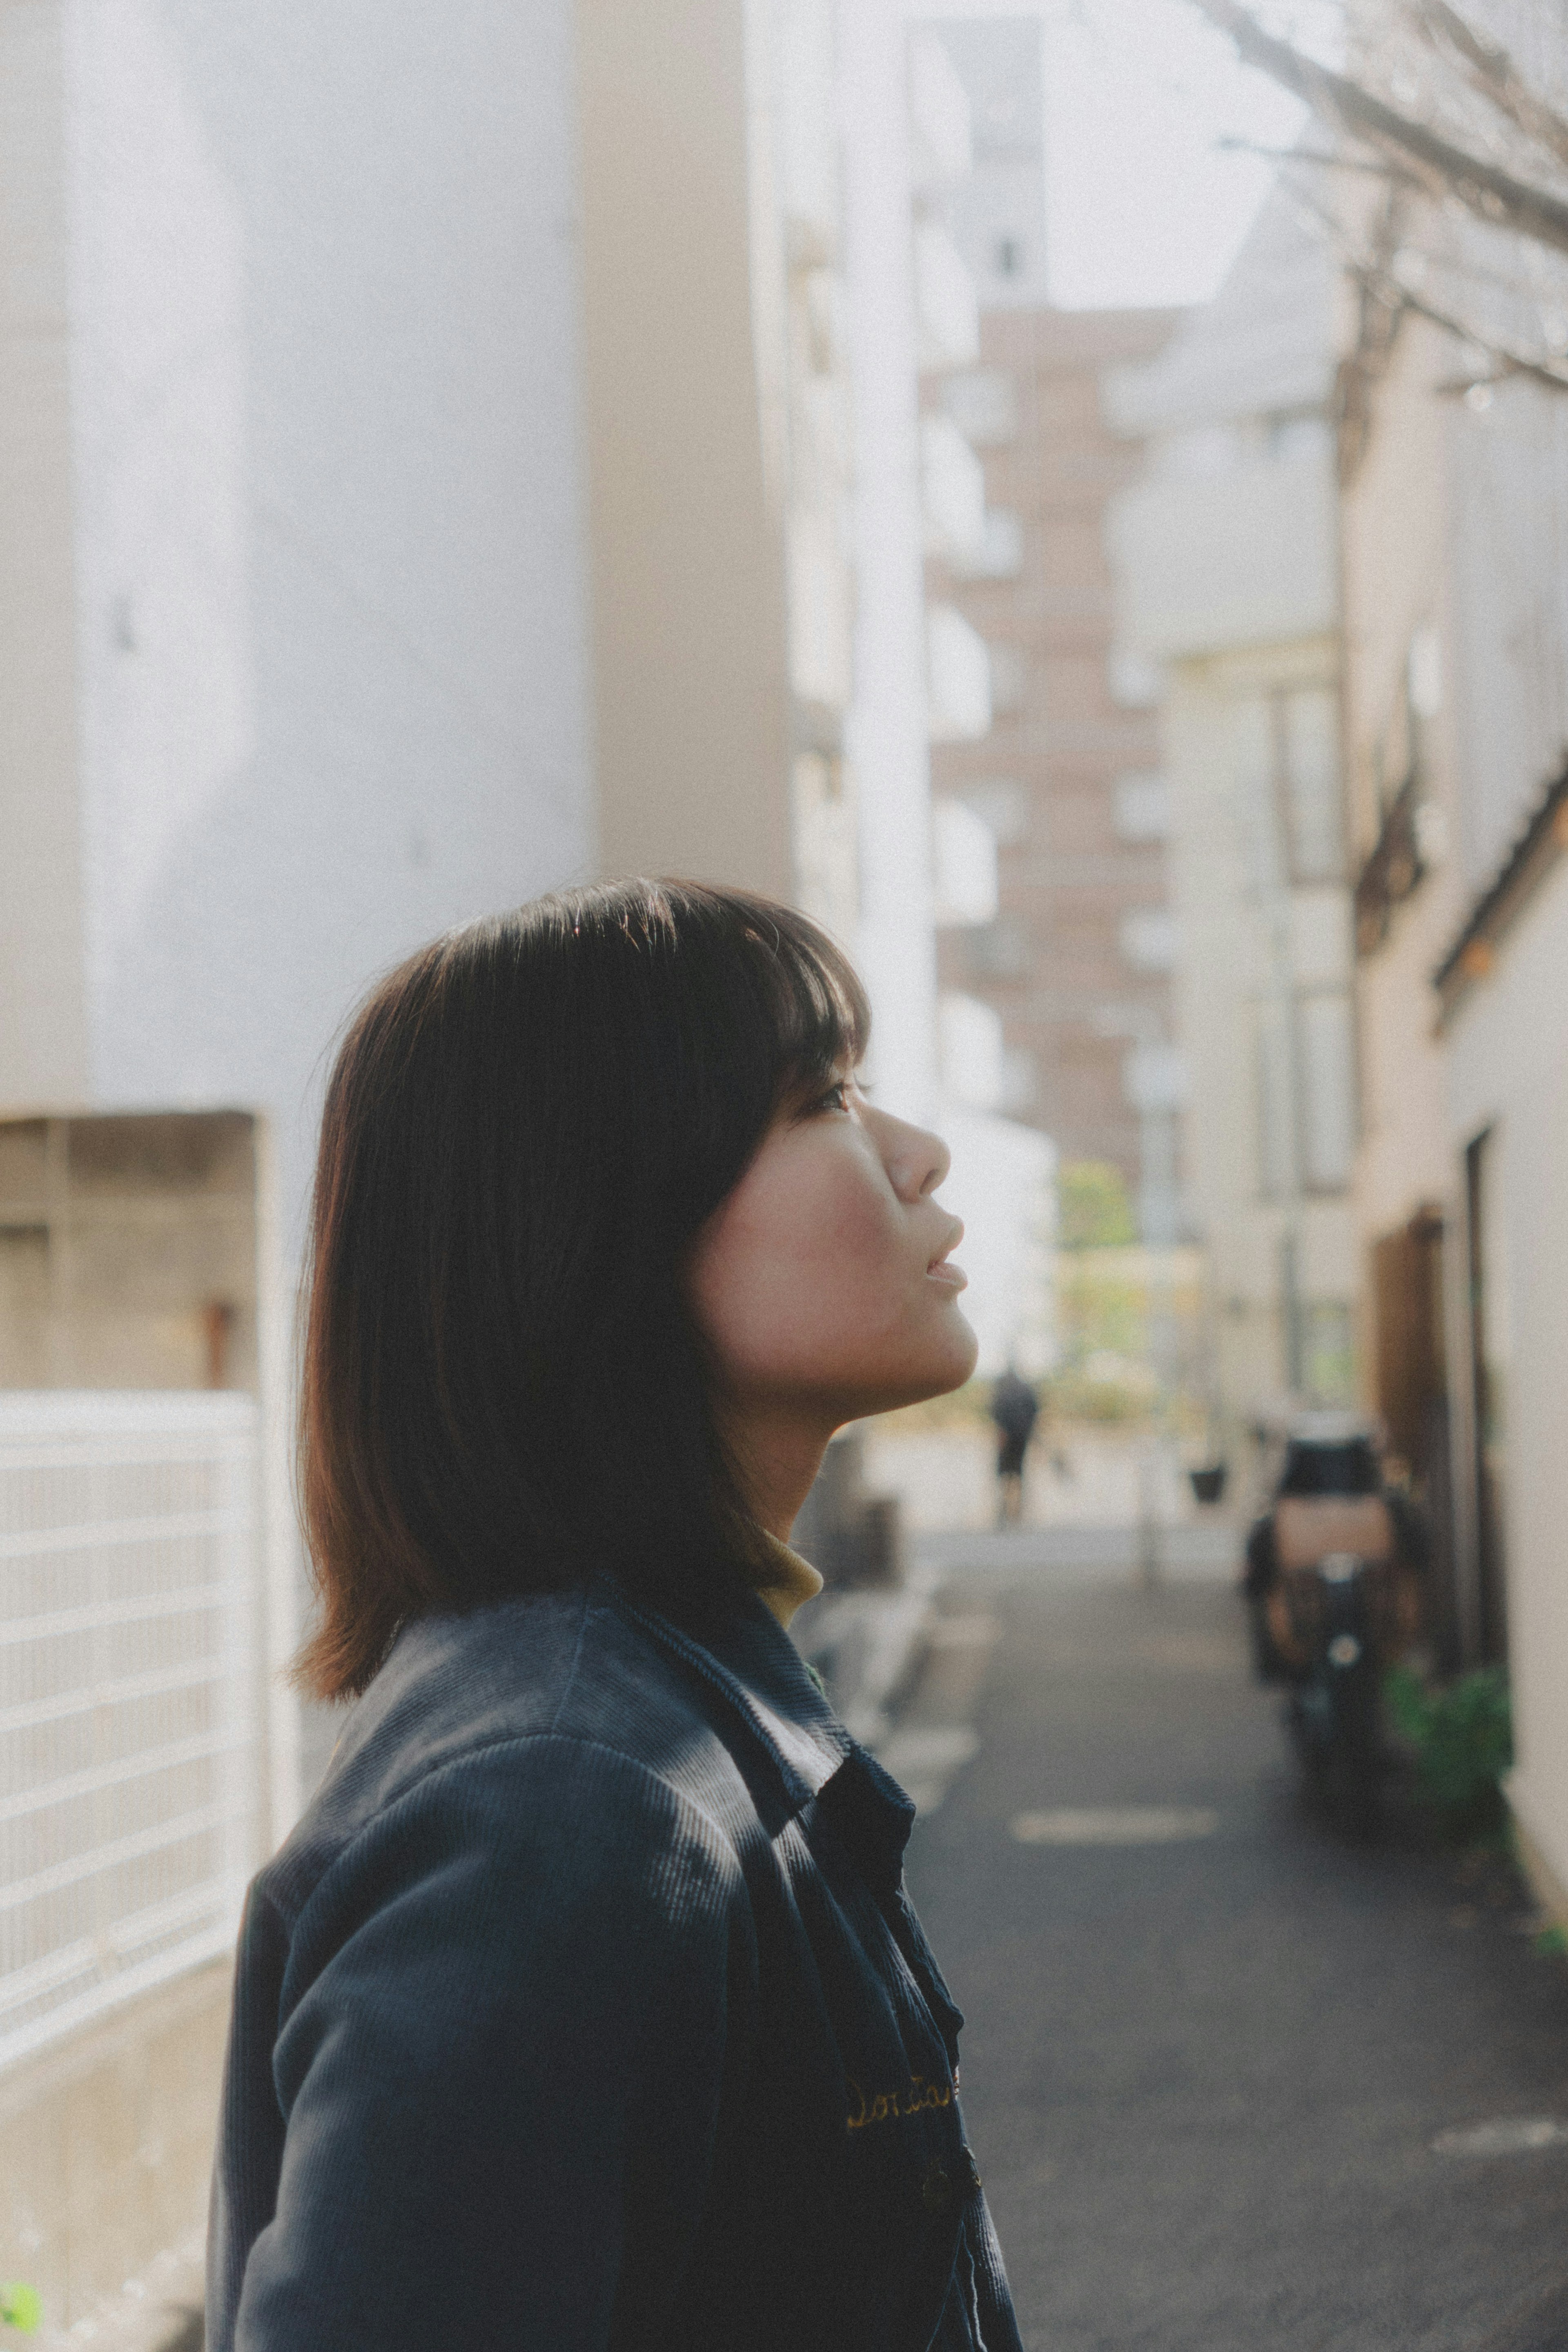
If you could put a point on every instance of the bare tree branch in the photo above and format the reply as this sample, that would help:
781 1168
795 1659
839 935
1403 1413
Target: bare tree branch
1493 195
1383 171
1385 301
1508 359
1492 70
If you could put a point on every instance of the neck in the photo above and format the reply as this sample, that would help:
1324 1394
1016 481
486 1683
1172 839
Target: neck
778 1458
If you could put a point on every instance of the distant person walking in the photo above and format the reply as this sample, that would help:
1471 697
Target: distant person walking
1015 1409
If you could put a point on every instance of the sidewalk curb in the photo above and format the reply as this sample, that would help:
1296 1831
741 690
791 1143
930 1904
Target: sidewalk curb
867 1644
157 2312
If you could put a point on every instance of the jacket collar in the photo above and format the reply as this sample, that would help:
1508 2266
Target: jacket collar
744 1653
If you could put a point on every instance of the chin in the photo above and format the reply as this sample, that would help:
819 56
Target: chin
965 1357
942 1367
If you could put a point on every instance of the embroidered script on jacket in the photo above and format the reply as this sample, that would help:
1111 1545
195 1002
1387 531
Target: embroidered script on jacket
888 2106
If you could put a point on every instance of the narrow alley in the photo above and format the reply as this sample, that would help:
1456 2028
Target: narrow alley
1231 2083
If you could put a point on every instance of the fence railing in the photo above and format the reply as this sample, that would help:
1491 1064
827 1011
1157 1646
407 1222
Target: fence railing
131 1772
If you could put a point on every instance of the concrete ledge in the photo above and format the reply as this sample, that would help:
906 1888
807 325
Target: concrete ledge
1191 1551
1548 1888
866 1646
106 2150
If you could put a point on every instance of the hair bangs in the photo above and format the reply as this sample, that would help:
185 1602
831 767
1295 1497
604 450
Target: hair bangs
818 1011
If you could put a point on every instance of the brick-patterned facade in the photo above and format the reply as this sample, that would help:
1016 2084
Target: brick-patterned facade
1078 986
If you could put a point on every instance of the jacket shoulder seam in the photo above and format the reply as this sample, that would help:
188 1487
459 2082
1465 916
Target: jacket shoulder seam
288 1913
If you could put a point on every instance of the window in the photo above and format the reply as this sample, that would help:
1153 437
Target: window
1199 451
1330 1352
1305 1062
1148 939
1135 684
1328 1090
1010 678
969 1045
1001 949
1021 1081
1275 1077
1143 805
997 551
964 859
983 404
1297 434
1002 803
1307 755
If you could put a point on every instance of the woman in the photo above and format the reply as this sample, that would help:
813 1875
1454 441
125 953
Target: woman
585 2007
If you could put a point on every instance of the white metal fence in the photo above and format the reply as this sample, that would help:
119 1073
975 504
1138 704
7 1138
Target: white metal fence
130 1774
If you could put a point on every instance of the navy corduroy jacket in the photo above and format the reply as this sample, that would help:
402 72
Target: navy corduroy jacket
585 2009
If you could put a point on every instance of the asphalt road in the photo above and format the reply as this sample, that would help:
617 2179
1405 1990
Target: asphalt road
1204 2076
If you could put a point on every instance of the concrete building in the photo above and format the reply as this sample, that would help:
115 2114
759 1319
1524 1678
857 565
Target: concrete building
1227 566
1404 784
1077 955
433 476
1455 532
294 672
973 180
997 211
428 481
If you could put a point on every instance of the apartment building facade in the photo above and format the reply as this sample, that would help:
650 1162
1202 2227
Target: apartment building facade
426 484
437 476
1077 958
1228 579
1454 510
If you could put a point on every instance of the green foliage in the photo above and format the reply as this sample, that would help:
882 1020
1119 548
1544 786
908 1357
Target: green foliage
1462 1734
1092 1206
20 2307
1552 1944
1077 1396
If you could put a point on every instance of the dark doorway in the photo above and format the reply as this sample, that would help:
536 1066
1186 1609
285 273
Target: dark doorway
1488 1388
1410 1391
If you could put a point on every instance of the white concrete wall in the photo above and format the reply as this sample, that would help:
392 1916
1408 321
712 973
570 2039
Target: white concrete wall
682 411
1265 345
1213 561
1509 587
1226 559
1396 536
886 727
328 521
42 1017
1223 974
1508 1070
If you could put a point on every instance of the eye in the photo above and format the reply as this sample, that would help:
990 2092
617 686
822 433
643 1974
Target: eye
837 1097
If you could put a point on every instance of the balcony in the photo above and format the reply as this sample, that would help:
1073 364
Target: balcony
964 856
1211 561
958 679
947 309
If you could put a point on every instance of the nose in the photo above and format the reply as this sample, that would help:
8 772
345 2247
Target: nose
916 1160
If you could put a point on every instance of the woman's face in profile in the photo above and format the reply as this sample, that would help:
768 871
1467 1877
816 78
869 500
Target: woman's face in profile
823 1283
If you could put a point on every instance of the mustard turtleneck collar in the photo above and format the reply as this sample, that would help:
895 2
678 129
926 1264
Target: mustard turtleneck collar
792 1581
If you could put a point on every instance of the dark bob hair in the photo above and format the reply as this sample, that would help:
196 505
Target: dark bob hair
527 1124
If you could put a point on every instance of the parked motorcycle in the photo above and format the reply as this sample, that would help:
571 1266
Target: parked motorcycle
1334 1580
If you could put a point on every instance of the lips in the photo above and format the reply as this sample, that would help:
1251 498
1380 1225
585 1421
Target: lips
951 1277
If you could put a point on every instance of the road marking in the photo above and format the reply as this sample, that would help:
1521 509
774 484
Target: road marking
1506 2136
924 1758
1115 1825
970 1632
